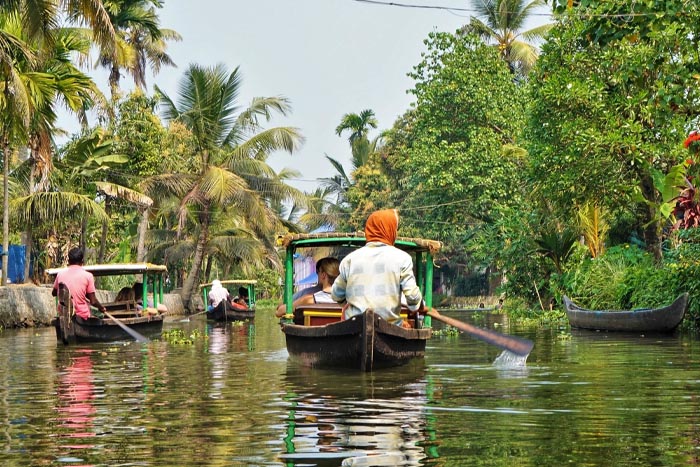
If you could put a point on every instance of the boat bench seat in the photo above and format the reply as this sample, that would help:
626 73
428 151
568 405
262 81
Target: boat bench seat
318 314
125 308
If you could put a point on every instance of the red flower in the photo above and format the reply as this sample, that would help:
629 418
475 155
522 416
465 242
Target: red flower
692 137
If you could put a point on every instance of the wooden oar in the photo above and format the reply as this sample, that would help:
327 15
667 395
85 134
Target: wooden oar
516 345
137 337
198 313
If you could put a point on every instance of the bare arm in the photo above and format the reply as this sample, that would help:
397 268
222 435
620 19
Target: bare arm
303 300
94 302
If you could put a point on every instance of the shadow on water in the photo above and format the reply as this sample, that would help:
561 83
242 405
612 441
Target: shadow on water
353 417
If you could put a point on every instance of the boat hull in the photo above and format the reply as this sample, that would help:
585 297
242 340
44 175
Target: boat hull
365 342
106 330
222 313
664 319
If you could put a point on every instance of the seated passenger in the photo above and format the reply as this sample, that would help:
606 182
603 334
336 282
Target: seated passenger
327 272
138 295
240 300
125 294
217 294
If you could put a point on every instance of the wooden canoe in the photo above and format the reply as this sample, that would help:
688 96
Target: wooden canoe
365 342
71 329
664 319
225 312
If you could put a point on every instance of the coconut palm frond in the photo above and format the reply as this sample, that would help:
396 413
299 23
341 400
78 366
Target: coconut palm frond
261 145
223 186
119 191
52 207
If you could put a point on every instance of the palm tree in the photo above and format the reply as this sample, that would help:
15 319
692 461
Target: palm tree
502 24
232 148
71 87
39 19
139 41
359 126
22 90
70 196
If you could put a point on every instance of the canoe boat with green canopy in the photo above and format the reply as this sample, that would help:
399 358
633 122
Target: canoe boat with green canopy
227 311
143 319
317 336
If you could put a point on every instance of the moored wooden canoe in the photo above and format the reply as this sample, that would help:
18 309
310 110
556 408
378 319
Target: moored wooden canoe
664 319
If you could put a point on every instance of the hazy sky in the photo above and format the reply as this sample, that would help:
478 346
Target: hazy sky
329 57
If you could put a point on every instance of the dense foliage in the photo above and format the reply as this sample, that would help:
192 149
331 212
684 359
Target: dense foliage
562 172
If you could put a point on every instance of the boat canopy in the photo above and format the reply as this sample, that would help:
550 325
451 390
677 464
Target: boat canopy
117 269
232 282
152 273
356 239
422 251
249 285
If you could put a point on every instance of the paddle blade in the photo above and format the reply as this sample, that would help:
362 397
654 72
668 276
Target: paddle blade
516 345
137 336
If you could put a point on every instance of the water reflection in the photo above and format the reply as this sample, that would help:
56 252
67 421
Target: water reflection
224 338
357 417
583 399
75 409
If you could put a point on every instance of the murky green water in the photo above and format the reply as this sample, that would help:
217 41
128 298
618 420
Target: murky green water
233 399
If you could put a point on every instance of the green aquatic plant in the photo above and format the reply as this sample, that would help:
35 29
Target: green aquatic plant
564 335
177 336
446 331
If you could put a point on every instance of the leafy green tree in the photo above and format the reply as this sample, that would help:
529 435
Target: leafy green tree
232 148
454 154
35 70
611 102
453 162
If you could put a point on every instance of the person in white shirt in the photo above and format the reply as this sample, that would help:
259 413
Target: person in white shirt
327 269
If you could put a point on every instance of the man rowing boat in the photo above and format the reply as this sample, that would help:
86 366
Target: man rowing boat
376 275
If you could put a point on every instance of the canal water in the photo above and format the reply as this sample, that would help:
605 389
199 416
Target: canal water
231 398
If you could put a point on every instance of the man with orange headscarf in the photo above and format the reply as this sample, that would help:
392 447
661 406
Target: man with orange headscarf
376 275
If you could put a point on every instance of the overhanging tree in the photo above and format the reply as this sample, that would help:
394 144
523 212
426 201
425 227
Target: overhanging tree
612 99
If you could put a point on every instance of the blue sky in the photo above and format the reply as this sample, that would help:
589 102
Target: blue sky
329 57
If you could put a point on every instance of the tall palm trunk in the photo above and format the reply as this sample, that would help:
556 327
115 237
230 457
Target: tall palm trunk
28 242
193 276
83 234
114 82
143 229
5 207
207 269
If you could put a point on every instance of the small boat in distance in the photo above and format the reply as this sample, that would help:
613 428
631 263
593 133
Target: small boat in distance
147 320
226 310
317 336
664 319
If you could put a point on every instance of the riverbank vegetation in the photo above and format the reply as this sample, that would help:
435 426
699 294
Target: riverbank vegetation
548 167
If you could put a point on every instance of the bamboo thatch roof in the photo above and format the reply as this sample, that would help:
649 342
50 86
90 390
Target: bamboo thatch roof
431 245
116 269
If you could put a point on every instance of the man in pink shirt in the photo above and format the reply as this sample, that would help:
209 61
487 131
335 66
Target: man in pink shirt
80 283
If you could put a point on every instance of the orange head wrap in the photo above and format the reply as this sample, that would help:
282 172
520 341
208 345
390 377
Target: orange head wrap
382 226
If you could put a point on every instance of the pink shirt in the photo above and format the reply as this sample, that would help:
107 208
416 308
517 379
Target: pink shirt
79 283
